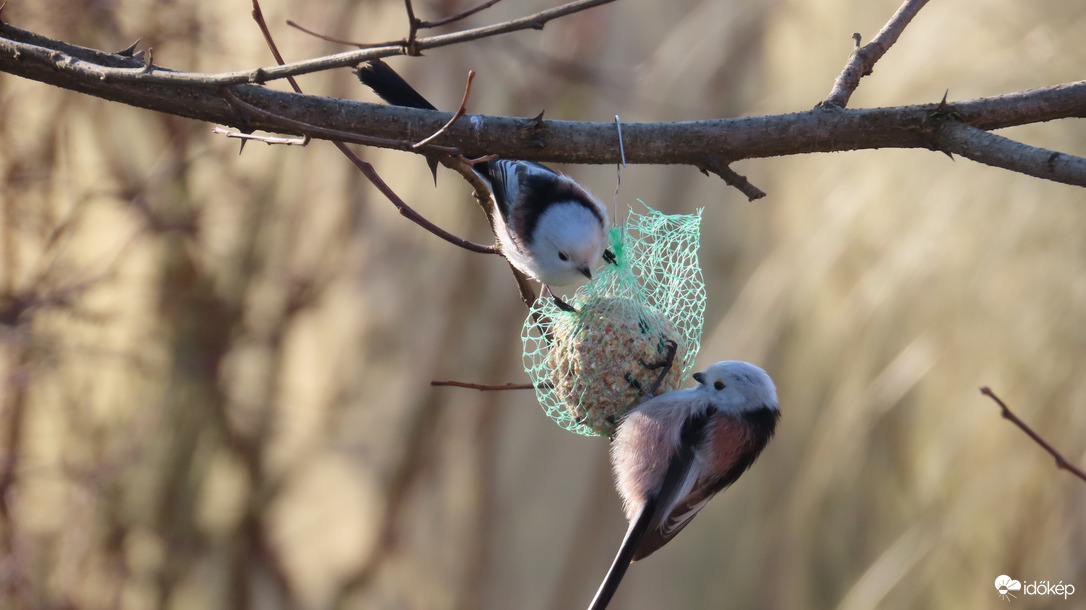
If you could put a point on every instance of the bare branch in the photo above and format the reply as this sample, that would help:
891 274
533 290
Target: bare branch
406 210
458 16
1061 462
997 151
731 177
819 130
863 59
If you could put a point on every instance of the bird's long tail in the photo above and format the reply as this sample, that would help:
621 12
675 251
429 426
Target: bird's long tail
622 560
390 86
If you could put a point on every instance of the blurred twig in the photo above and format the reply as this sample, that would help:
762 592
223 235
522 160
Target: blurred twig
863 59
1061 462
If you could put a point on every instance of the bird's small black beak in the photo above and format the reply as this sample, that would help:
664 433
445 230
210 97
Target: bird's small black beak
698 378
585 271
609 257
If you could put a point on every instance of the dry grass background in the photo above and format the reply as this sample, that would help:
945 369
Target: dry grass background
230 406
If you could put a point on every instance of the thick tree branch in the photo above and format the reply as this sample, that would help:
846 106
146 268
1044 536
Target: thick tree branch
694 143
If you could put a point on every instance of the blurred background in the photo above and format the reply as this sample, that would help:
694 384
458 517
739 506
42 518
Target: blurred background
215 368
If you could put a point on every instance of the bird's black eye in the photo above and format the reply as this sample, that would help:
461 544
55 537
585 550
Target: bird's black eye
719 385
563 256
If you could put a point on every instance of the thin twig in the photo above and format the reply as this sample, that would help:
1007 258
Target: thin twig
258 16
412 30
482 387
347 59
714 165
406 210
456 116
458 16
863 59
1061 462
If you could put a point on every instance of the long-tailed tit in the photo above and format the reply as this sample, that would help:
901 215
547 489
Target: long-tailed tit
674 452
547 225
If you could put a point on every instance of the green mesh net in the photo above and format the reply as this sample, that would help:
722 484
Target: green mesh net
591 366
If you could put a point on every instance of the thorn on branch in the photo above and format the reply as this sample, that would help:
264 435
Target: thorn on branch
1061 462
130 50
944 110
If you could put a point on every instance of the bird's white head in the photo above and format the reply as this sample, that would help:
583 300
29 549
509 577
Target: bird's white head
568 243
737 387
